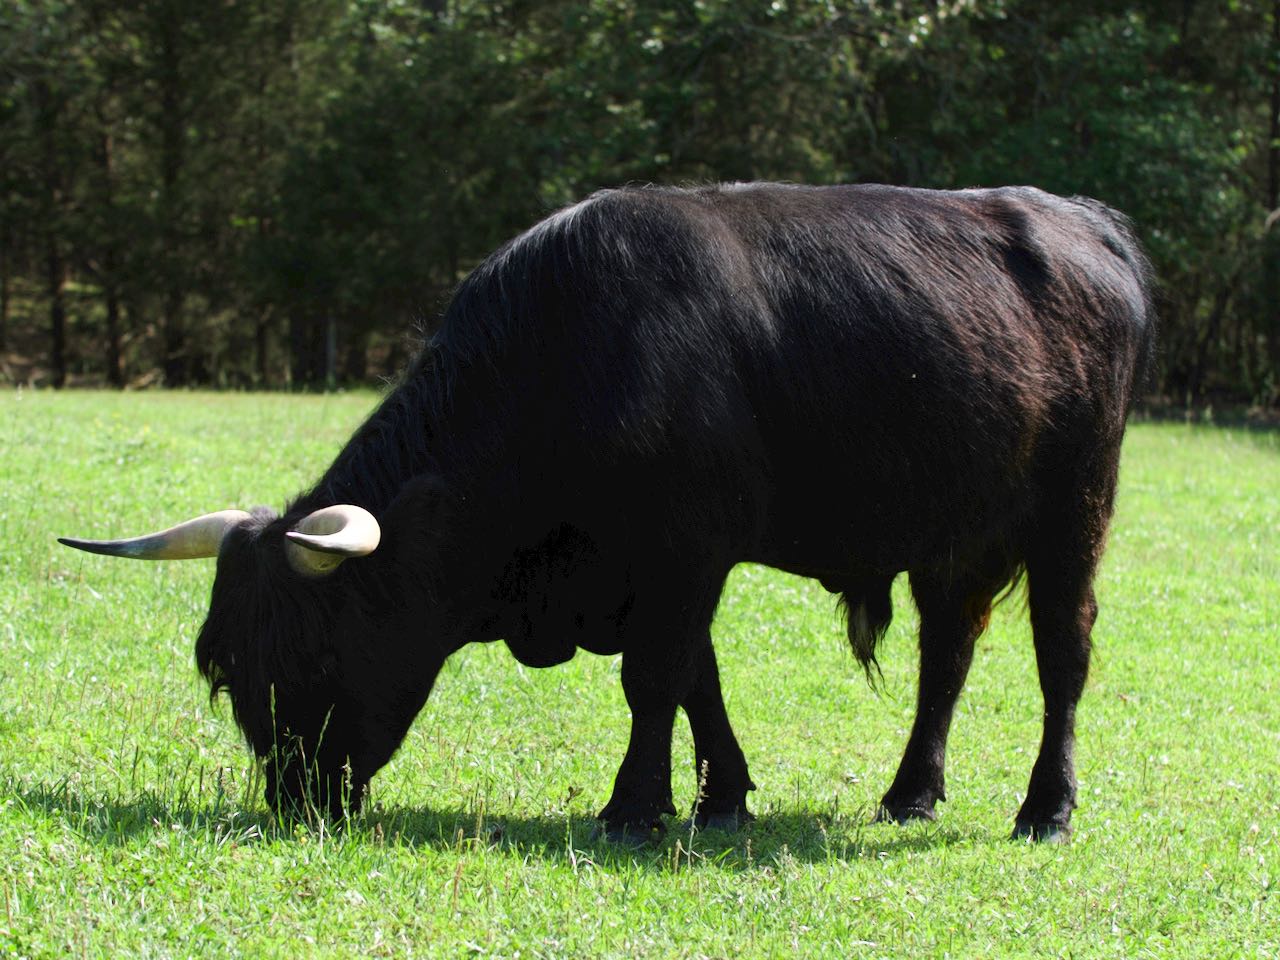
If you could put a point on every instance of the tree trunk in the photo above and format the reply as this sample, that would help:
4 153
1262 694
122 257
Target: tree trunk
56 280
261 349
355 367
1273 147
4 291
306 351
171 163
260 146
296 370
110 272
174 338
330 352
1221 301
1271 248
115 356
55 268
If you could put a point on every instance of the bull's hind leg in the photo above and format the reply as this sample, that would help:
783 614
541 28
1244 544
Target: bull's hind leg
1061 562
954 611
721 768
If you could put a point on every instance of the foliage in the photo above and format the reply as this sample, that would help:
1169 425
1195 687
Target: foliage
1157 109
133 825
275 191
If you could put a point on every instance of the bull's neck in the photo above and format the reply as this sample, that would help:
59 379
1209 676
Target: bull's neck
435 421
391 447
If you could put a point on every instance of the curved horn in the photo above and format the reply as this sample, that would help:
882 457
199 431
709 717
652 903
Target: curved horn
324 538
191 540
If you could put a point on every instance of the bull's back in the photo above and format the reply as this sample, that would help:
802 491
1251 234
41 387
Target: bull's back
919 360
805 374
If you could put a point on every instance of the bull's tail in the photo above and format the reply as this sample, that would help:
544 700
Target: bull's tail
868 610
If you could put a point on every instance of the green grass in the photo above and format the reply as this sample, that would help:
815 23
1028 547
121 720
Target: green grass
131 823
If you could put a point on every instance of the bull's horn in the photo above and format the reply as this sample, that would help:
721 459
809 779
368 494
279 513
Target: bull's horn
191 540
324 538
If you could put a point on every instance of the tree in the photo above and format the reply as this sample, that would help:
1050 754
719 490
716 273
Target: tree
271 190
1146 106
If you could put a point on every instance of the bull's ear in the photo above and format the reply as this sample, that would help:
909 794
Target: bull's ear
324 538
418 522
191 540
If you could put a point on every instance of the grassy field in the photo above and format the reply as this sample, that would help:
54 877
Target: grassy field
131 823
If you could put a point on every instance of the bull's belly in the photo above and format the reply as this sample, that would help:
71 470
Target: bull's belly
833 545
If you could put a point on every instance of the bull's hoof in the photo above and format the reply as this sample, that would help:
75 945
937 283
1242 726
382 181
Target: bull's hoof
632 824
1042 832
890 812
729 822
627 835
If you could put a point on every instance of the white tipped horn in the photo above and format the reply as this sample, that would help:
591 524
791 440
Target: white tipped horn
200 537
324 538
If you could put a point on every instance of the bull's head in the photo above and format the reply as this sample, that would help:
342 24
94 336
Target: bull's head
280 637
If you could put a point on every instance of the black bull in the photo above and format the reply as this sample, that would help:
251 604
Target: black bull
657 384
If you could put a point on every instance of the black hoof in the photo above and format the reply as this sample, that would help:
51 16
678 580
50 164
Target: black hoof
634 837
632 825
904 813
1042 832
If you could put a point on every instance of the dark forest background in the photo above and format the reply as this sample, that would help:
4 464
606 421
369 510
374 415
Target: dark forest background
270 193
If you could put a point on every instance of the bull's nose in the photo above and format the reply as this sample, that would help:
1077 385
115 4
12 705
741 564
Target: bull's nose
332 795
341 794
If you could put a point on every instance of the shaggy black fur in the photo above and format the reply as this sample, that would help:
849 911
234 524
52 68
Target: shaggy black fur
656 384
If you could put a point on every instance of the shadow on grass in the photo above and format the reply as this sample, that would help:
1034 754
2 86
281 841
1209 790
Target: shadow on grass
778 836
113 820
773 838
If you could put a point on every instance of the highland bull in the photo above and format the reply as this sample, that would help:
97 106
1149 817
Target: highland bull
656 384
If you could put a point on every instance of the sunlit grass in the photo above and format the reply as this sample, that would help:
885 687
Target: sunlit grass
131 822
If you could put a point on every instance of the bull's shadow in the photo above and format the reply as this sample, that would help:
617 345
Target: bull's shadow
803 835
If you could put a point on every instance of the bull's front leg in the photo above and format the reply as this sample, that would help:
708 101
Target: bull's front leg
642 789
666 648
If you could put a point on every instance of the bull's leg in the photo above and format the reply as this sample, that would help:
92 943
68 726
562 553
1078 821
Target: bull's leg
1062 556
642 789
952 616
1060 569
723 780
662 641
1061 625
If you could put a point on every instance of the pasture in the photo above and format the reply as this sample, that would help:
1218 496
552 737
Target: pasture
132 821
